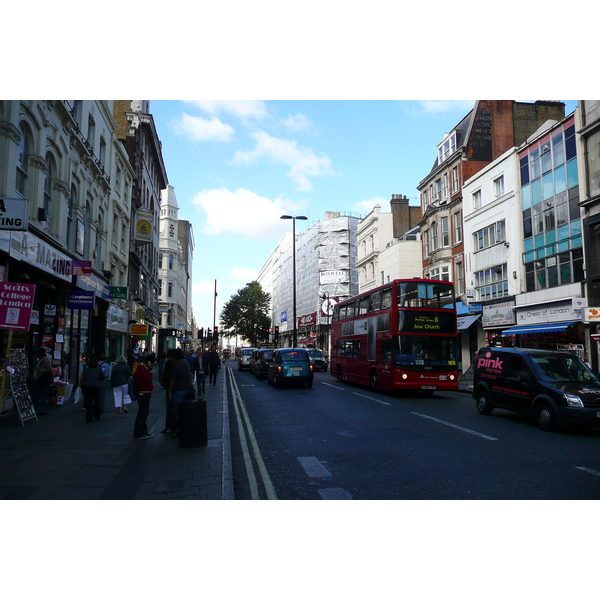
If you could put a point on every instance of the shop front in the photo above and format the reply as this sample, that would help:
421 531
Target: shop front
495 318
550 326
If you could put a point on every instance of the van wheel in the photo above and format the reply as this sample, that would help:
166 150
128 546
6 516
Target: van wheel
546 418
374 380
339 375
484 403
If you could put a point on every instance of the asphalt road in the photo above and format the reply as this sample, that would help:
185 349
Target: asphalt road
339 441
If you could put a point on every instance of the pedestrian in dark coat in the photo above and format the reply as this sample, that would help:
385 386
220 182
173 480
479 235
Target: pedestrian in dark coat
144 385
42 379
91 376
214 364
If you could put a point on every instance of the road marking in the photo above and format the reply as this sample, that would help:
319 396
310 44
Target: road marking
589 470
334 494
333 386
374 399
487 437
314 467
242 415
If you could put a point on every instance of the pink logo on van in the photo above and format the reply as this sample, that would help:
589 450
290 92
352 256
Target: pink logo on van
489 363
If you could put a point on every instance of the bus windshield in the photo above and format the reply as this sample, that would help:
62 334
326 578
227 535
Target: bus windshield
420 294
417 351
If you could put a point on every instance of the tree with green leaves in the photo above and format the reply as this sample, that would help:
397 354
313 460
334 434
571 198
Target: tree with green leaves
246 314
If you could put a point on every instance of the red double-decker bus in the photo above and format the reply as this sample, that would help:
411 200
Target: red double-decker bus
399 336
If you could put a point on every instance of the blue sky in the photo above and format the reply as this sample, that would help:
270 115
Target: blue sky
237 166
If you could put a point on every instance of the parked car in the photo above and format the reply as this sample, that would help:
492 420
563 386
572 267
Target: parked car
244 358
318 360
556 388
290 365
261 359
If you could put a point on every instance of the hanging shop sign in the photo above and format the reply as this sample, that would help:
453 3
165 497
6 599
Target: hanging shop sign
82 267
553 312
92 283
591 314
327 306
138 329
307 320
83 300
16 302
116 319
143 226
118 292
28 248
284 316
13 214
498 315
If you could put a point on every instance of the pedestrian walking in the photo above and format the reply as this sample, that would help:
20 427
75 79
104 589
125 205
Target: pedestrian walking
214 364
180 383
105 383
165 382
90 380
144 385
199 372
205 368
42 380
119 379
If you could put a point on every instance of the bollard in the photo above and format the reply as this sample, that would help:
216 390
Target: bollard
193 431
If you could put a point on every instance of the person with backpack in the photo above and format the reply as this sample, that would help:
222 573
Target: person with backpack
105 383
119 379
144 387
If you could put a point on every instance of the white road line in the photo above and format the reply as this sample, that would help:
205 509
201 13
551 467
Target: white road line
589 470
313 466
334 494
337 387
374 399
487 437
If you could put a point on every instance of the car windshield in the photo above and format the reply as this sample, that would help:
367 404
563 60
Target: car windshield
247 352
315 353
564 367
294 356
267 355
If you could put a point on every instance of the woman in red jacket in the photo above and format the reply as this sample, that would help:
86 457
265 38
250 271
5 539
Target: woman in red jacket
143 383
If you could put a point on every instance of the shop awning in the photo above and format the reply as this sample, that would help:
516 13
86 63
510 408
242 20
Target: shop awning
466 321
540 328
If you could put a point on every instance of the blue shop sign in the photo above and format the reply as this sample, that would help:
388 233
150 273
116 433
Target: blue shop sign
284 316
92 283
83 300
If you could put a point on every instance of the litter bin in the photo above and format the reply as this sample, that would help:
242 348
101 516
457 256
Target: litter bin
192 424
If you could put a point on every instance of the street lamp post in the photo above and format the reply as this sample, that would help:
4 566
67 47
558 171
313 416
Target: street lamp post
294 335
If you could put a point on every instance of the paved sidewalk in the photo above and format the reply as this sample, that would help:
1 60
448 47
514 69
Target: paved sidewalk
61 457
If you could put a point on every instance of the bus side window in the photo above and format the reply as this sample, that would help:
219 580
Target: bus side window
386 350
349 310
375 301
363 306
386 299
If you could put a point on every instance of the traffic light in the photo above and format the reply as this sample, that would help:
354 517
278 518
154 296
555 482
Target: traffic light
201 334
208 335
276 332
267 331
216 334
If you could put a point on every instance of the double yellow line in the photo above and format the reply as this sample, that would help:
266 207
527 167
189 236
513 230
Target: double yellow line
243 421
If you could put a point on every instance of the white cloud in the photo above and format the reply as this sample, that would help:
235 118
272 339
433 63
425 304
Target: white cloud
435 107
366 206
199 129
243 212
303 162
243 109
244 274
297 122
203 287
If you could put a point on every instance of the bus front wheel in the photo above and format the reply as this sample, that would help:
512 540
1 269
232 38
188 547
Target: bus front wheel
339 375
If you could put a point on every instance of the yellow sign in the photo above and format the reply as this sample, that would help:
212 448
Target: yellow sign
138 329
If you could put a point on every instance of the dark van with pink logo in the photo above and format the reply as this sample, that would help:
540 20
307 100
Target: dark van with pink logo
556 388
